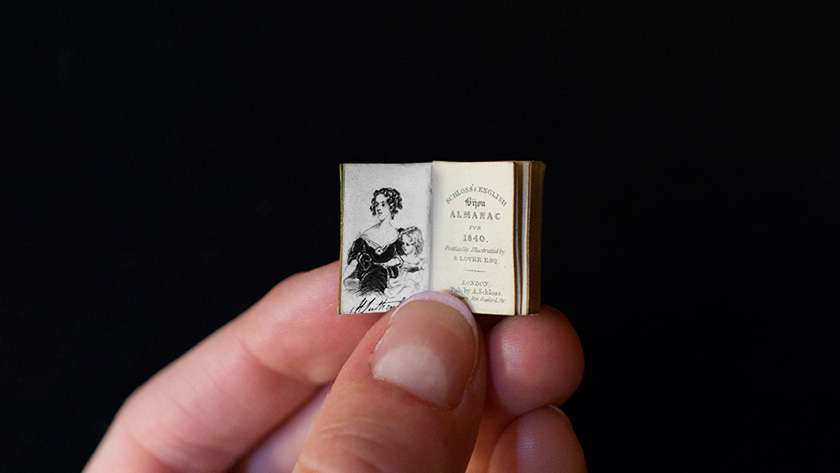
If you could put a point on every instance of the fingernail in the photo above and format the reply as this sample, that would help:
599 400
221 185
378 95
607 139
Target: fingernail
430 348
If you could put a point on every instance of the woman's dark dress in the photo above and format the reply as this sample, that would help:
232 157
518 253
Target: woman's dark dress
372 277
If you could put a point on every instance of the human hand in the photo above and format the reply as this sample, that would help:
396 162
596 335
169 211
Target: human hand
389 264
351 283
422 390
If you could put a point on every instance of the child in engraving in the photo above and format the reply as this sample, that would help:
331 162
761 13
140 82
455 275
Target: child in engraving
409 280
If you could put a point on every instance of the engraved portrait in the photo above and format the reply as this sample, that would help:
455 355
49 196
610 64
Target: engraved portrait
384 250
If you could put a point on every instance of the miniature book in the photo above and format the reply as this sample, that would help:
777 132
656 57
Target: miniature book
471 229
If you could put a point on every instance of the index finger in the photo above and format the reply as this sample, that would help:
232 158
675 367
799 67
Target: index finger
214 403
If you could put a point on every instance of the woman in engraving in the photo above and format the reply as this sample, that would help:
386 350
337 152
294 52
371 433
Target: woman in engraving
371 253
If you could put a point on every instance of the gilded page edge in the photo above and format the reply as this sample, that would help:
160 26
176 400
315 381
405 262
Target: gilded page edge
535 216
340 232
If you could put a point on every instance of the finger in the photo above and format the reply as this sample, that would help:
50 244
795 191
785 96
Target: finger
541 441
409 398
211 405
279 452
533 362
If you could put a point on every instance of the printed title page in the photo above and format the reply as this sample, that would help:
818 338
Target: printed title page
472 234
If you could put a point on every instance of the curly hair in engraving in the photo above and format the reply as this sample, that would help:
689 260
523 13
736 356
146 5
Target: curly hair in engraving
373 257
412 237
392 197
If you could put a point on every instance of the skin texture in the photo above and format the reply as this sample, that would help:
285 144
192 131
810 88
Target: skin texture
289 379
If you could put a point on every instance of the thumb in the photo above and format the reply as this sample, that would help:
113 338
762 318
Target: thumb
409 398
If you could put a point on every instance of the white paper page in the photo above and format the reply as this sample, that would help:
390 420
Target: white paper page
472 234
385 251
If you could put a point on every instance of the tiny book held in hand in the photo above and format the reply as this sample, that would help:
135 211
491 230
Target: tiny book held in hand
470 229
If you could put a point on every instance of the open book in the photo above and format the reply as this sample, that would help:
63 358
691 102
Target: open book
471 229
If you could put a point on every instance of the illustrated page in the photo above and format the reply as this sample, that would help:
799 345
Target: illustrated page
472 234
384 234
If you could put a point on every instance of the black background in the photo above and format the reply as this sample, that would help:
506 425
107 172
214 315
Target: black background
165 163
